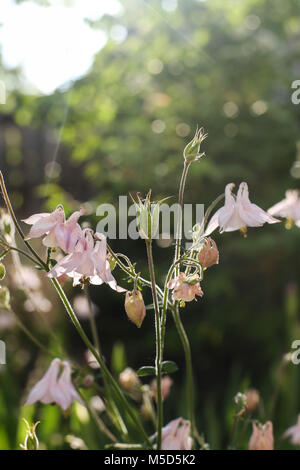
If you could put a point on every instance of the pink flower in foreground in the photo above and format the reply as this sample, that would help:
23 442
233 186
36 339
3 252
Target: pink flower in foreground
58 231
176 435
65 235
87 263
44 223
262 436
294 433
185 288
288 208
239 213
50 389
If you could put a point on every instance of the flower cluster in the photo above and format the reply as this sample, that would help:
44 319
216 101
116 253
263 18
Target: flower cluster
86 253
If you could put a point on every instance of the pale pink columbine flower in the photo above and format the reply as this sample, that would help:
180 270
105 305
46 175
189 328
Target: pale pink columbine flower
51 389
44 223
87 263
185 288
288 208
239 213
59 232
294 433
176 435
66 234
262 436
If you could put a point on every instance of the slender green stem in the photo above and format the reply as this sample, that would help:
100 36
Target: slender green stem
30 335
92 320
176 315
14 218
96 418
179 222
14 248
188 360
158 359
131 272
99 359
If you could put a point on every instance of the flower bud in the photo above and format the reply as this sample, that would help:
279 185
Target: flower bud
262 436
209 253
166 384
31 441
135 307
147 217
129 380
192 152
253 398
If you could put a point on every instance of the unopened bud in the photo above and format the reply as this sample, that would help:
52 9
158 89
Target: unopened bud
129 380
253 398
147 216
192 152
166 384
135 307
31 441
209 253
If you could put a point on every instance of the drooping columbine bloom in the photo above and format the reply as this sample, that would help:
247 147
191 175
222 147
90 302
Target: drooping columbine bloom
262 436
208 254
65 235
185 288
87 263
51 389
44 223
294 433
288 208
135 307
176 435
239 213
58 231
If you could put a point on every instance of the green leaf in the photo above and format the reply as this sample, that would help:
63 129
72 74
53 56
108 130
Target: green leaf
145 371
168 367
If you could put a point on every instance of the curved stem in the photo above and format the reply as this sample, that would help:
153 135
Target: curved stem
99 359
131 272
14 218
158 358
